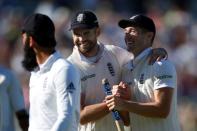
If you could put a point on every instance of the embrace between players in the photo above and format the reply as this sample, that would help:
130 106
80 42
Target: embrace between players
144 91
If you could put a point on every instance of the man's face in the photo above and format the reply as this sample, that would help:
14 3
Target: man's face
135 39
85 40
29 62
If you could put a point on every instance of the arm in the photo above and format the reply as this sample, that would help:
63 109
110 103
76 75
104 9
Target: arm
92 112
67 86
17 101
160 108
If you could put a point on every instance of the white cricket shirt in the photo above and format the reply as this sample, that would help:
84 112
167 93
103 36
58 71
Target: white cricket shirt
11 99
107 64
144 80
55 96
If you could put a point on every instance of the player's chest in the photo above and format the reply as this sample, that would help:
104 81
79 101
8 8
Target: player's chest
143 83
41 86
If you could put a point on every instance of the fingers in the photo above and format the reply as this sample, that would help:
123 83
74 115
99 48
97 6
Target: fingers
110 101
122 91
152 59
157 54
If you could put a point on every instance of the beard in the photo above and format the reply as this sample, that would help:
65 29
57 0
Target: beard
87 48
29 62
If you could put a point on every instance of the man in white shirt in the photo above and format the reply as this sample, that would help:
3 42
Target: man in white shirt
152 96
11 102
95 61
54 83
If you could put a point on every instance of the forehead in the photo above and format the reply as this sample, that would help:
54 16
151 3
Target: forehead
133 28
81 30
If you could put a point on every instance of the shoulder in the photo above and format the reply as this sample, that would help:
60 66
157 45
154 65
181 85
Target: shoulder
62 63
164 65
114 48
118 51
6 72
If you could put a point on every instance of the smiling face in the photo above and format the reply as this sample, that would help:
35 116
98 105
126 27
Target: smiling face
86 40
137 39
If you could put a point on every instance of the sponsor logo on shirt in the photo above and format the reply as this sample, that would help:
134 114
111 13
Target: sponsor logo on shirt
141 79
70 88
164 76
111 69
87 77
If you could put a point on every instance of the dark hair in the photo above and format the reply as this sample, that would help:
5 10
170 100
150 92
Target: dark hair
41 28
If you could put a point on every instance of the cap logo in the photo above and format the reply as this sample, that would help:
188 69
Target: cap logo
80 17
133 17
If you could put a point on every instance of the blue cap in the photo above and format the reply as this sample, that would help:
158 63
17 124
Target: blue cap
139 21
84 19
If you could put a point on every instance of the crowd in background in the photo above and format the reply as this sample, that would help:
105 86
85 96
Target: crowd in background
176 23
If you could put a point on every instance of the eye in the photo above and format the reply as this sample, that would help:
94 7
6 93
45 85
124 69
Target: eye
86 33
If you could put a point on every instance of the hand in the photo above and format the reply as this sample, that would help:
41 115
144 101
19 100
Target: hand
157 54
114 102
122 90
23 119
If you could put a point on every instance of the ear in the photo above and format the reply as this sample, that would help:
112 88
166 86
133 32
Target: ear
98 31
31 41
150 36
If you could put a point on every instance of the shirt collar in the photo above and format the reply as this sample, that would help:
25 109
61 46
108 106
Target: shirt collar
143 54
93 59
49 62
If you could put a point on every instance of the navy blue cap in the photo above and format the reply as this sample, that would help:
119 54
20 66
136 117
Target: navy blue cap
84 19
139 21
41 28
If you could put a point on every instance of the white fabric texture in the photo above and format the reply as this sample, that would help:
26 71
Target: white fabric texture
144 80
108 65
55 96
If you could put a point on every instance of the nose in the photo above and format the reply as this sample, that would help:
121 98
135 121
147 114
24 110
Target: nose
82 38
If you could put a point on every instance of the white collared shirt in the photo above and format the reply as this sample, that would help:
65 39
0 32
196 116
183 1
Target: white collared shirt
108 64
11 99
55 96
144 80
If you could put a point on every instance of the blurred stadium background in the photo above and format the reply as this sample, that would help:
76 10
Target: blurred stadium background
176 22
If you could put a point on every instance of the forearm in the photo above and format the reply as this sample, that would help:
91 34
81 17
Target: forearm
125 117
146 109
93 112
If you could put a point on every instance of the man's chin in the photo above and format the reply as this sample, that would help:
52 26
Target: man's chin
29 65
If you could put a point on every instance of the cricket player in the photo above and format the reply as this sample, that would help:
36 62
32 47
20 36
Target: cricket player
54 82
152 89
11 102
96 61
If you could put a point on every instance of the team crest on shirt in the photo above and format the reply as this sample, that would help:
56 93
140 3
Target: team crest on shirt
70 88
111 69
141 80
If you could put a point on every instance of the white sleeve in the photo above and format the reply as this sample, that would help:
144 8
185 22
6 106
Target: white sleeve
164 75
67 86
16 94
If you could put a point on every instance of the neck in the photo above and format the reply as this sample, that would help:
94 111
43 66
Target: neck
41 57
